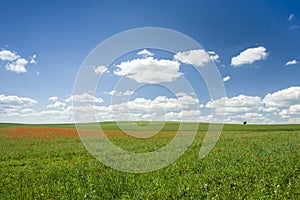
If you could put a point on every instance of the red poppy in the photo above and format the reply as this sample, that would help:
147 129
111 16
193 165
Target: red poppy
182 169
244 154
258 158
269 158
196 172
218 150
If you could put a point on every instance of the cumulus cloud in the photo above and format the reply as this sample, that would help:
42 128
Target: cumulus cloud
240 108
292 110
17 66
254 118
186 100
158 104
295 120
249 56
57 104
127 93
213 56
27 110
16 101
237 104
7 55
120 93
100 69
111 92
33 59
84 98
54 98
159 108
291 62
270 109
283 98
15 62
149 70
198 57
145 53
10 104
280 106
226 78
188 115
44 116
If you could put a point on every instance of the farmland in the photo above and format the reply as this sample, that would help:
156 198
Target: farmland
248 162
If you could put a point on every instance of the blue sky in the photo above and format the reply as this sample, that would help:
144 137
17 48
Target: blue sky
43 44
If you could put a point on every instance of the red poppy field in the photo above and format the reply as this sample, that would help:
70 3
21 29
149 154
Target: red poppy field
248 162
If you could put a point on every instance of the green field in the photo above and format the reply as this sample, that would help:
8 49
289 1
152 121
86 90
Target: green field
248 162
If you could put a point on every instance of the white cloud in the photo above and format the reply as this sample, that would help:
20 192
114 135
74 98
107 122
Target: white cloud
213 56
283 98
282 106
270 109
17 66
11 104
120 93
57 104
33 59
249 56
291 16
7 55
238 104
277 107
197 57
186 100
32 116
145 53
84 98
295 120
226 78
111 92
100 69
15 62
16 101
160 108
189 115
54 98
149 70
291 62
27 110
254 118
127 93
292 110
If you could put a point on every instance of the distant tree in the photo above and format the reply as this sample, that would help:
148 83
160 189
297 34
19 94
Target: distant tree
245 122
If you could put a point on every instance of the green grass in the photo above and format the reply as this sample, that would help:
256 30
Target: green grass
248 162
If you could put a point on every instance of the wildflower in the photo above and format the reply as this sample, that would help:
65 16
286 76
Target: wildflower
269 158
258 158
196 172
181 169
244 154
218 150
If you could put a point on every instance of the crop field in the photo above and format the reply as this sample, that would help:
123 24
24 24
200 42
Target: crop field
248 162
